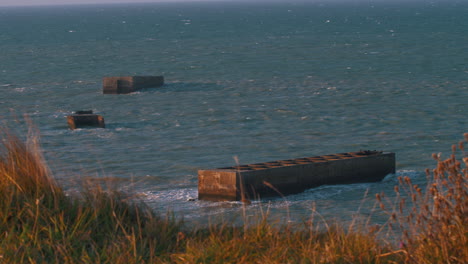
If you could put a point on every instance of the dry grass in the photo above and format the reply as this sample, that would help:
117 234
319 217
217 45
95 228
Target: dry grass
433 219
265 243
39 223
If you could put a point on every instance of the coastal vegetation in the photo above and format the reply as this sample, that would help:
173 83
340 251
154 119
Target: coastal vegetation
41 223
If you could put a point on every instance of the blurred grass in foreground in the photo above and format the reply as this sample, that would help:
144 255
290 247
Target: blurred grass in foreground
41 224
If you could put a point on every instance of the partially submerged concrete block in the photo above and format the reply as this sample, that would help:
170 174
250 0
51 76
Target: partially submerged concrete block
128 84
85 119
293 176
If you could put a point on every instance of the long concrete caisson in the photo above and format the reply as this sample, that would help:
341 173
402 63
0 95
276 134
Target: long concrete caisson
284 177
129 84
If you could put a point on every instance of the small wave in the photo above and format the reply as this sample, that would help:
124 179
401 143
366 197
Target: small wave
20 89
390 178
104 133
123 129
83 82
181 195
59 114
412 174
330 191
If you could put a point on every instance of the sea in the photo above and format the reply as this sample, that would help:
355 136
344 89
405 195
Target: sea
245 82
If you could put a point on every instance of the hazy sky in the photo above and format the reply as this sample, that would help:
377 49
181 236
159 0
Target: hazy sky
62 2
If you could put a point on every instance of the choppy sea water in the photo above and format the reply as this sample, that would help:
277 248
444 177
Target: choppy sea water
257 82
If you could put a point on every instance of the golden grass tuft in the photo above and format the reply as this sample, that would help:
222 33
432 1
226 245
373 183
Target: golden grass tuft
39 223
433 219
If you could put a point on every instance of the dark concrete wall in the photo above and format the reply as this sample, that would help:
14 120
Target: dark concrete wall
293 176
140 82
128 84
85 120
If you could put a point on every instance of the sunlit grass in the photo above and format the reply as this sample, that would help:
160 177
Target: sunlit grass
40 223
433 219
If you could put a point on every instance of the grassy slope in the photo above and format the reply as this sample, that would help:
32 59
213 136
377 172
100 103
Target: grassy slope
39 223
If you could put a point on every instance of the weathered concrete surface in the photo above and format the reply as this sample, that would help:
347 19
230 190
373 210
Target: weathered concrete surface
85 119
292 176
128 84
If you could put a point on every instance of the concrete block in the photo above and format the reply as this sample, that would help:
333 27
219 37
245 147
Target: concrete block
85 119
284 177
128 84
